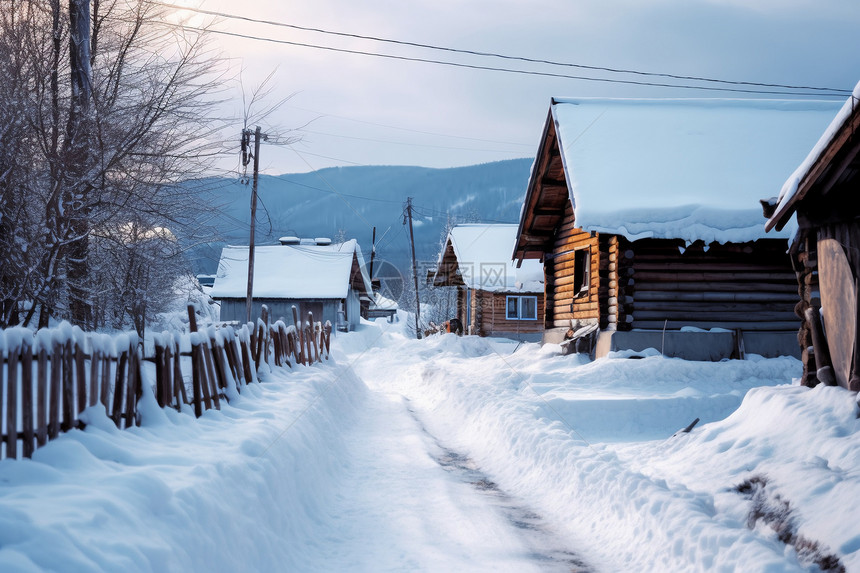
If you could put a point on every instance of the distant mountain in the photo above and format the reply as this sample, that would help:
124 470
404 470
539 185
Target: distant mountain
346 202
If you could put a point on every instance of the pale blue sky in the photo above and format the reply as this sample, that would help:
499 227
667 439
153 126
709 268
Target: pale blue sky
441 116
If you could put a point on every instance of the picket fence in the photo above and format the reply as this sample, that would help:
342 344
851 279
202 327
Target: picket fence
48 378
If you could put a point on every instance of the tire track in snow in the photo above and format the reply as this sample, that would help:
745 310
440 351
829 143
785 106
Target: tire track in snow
547 550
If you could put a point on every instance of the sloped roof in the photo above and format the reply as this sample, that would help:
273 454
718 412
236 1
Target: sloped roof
691 169
817 163
479 256
293 271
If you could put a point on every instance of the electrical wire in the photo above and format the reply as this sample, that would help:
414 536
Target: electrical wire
504 56
832 93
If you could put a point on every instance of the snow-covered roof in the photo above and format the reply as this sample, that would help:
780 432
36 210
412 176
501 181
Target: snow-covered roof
484 259
692 169
789 189
290 271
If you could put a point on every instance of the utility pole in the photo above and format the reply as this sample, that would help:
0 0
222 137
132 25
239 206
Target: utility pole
246 134
372 253
414 267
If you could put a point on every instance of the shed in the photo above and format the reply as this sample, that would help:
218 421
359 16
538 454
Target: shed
821 200
494 297
645 215
327 279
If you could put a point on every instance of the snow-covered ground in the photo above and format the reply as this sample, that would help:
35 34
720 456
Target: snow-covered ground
457 454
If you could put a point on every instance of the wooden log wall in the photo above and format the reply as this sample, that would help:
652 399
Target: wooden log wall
494 315
563 305
48 378
750 286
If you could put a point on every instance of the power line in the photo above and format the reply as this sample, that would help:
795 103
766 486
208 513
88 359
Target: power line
834 91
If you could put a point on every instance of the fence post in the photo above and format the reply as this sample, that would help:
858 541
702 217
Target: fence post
233 360
210 370
68 386
178 381
246 358
327 335
42 397
298 325
159 371
95 358
167 375
12 398
133 385
56 383
27 396
285 343
312 330
119 387
309 356
80 370
104 392
196 385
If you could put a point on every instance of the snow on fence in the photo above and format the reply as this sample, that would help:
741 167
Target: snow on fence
48 378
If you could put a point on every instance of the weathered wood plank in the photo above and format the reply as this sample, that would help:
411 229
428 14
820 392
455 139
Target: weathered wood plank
780 326
699 316
212 378
95 361
41 397
12 402
68 388
678 276
715 296
196 384
119 388
133 384
27 430
81 376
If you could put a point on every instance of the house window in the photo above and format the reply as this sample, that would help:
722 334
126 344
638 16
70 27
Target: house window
521 308
581 272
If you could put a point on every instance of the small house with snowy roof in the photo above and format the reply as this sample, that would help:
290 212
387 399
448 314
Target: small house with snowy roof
645 214
316 275
494 297
820 199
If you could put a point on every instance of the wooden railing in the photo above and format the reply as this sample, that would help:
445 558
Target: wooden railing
48 378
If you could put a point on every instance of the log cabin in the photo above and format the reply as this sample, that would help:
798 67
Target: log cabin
644 214
494 297
316 275
820 201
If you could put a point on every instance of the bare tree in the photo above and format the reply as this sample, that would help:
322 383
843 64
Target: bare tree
108 149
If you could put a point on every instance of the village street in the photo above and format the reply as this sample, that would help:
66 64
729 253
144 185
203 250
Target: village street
452 454
408 502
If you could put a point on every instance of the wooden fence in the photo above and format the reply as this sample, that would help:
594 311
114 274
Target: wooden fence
48 378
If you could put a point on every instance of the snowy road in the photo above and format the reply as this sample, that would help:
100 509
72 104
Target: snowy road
407 503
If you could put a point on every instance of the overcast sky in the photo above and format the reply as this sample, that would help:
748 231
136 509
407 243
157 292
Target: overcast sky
360 110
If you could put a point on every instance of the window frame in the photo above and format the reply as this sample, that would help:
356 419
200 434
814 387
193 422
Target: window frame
519 307
582 272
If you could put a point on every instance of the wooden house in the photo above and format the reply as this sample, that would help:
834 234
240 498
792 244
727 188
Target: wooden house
315 275
820 200
644 213
494 297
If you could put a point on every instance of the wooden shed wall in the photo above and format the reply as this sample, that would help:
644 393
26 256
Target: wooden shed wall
492 315
323 309
751 286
